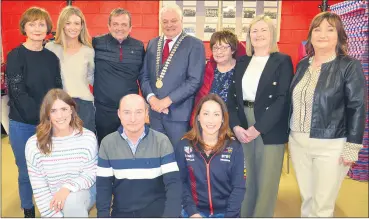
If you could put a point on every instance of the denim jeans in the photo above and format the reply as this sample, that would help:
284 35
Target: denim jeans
86 111
19 133
78 204
205 215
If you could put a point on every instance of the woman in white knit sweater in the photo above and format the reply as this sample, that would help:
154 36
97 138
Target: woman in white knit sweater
62 159
73 47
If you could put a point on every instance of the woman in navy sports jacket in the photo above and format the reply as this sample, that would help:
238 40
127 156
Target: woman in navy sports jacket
211 164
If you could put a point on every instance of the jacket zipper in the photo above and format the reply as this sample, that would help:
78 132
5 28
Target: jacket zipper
208 179
120 53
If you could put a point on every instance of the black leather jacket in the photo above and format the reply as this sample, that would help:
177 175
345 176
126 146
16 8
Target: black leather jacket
340 99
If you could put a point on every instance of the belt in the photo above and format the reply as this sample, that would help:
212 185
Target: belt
248 104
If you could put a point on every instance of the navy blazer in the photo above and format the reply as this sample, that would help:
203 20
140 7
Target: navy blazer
272 101
182 80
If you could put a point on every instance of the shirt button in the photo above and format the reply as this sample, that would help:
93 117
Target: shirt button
234 95
234 82
274 83
267 108
270 96
236 108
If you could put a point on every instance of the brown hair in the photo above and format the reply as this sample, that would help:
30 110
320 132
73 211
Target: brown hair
225 36
120 11
225 133
334 20
44 130
34 14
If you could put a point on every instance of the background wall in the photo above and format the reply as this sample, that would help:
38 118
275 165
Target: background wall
296 17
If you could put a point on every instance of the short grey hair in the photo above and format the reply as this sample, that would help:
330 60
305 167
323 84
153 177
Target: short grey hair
171 7
120 11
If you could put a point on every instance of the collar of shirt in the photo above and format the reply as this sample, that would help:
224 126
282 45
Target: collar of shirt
331 58
130 143
139 139
173 40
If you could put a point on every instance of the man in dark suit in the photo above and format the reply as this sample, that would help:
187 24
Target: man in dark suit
171 75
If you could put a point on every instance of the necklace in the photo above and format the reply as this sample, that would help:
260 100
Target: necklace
159 78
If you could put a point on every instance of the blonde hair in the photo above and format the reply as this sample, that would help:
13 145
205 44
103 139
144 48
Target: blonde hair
34 14
84 36
273 47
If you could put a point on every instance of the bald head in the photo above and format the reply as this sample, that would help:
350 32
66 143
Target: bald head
132 99
132 113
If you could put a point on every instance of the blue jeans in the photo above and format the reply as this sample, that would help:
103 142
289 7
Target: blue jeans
19 133
86 111
78 204
185 215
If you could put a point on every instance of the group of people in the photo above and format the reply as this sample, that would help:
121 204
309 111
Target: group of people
217 129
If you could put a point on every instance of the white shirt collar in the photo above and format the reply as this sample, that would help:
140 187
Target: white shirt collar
173 39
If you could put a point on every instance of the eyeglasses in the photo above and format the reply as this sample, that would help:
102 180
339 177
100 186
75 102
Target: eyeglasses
220 48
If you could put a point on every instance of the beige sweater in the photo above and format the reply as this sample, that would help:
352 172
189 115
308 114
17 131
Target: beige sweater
77 70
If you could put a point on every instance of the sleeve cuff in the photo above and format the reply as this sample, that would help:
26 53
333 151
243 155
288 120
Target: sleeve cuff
70 187
191 211
351 151
149 95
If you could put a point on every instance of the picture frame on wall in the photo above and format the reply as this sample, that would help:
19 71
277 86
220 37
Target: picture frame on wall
202 18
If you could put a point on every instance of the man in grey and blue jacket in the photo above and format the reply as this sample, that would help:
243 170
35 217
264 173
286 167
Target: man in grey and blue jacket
137 165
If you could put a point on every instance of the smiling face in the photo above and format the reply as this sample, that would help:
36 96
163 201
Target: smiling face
120 27
132 113
210 118
36 30
73 27
60 115
260 35
324 37
171 23
222 52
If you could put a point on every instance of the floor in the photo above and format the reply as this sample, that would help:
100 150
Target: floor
352 200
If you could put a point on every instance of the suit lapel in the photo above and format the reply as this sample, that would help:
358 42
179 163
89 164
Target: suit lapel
269 69
161 52
239 72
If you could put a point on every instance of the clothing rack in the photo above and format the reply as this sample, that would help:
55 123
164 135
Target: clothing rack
354 15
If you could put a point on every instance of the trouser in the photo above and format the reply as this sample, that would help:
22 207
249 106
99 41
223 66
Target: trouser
86 111
78 204
154 209
175 130
263 173
19 133
107 121
318 172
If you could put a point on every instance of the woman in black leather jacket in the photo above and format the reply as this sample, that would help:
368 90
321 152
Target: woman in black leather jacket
327 121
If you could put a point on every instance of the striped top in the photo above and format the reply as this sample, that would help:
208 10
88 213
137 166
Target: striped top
72 164
148 176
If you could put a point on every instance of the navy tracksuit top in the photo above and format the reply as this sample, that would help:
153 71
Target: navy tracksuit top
215 185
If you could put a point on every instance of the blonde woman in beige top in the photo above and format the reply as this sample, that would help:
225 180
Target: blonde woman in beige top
73 47
328 115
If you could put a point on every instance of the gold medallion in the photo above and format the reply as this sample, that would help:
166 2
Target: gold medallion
159 83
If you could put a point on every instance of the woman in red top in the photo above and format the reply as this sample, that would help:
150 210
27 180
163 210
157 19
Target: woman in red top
219 69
